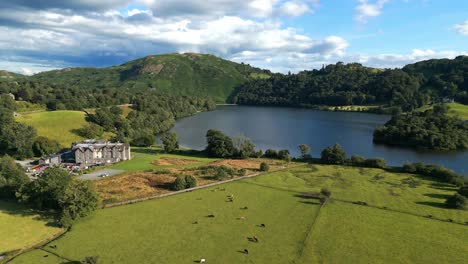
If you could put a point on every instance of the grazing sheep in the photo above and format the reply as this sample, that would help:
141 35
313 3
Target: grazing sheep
242 218
246 251
202 261
262 225
211 216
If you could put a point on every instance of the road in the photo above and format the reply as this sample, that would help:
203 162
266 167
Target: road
95 175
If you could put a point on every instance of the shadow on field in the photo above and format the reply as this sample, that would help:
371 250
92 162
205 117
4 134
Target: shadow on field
437 195
433 204
12 208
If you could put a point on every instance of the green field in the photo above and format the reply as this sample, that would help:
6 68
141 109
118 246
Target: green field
142 159
297 230
21 228
455 109
460 110
58 125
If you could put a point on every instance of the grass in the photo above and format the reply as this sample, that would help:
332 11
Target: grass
460 110
163 230
58 125
22 227
455 109
143 159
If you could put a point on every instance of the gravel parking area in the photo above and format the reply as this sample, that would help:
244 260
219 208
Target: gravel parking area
97 174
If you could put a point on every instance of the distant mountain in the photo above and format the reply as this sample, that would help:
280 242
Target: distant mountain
188 74
6 75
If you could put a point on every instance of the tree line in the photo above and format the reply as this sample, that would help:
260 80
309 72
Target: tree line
432 129
353 84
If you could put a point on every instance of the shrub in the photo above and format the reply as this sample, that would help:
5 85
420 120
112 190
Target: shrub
375 163
242 172
284 155
190 181
325 192
357 160
264 166
457 201
179 183
271 153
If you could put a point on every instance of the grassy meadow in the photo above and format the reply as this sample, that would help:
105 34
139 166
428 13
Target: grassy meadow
21 227
393 228
455 109
58 125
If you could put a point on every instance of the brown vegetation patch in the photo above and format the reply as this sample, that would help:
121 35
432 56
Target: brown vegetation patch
133 185
173 161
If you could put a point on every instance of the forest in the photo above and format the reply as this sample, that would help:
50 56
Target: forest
432 129
404 89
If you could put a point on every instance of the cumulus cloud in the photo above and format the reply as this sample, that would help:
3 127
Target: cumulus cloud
250 8
369 8
93 5
462 28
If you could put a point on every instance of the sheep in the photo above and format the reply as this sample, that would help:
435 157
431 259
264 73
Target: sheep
202 261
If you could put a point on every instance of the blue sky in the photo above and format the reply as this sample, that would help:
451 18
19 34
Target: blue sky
281 35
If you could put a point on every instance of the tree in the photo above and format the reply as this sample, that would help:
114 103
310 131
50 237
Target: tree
190 181
376 163
91 131
284 155
305 151
44 146
457 201
244 148
271 153
334 155
179 183
12 177
170 142
264 166
219 145
78 200
47 191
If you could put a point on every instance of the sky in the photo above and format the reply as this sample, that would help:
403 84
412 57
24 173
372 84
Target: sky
280 35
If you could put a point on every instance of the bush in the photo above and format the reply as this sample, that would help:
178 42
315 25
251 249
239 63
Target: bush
375 163
284 155
325 192
179 184
190 181
457 201
271 153
242 172
357 160
264 166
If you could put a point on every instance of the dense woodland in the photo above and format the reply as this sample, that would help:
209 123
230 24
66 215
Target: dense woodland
432 129
353 84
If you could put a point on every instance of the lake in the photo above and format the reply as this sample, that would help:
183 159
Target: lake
286 128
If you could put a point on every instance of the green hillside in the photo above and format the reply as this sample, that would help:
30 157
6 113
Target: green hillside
187 74
6 75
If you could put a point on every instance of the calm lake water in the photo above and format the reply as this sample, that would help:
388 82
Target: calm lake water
286 128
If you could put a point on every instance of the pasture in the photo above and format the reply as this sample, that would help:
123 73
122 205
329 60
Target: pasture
58 125
393 227
21 227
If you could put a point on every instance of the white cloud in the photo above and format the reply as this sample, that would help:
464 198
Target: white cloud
216 8
369 8
294 8
462 28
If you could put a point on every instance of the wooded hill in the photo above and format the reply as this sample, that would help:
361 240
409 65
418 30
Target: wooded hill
187 74
340 84
202 75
